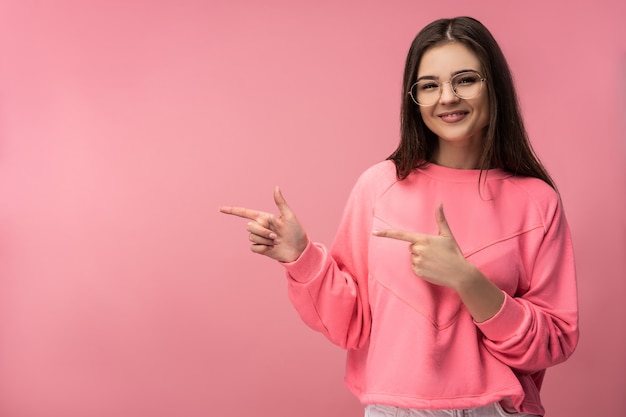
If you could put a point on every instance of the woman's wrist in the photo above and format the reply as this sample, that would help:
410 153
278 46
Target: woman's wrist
482 297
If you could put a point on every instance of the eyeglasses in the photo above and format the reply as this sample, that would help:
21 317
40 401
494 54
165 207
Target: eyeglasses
464 85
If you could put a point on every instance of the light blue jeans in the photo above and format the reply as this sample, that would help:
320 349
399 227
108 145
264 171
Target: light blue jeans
491 410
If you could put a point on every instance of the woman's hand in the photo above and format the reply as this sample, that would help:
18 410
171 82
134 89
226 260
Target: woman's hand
439 260
278 237
436 259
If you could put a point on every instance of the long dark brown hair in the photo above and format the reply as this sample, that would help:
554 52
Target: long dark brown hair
506 144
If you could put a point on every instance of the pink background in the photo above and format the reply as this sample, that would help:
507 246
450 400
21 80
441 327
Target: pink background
125 124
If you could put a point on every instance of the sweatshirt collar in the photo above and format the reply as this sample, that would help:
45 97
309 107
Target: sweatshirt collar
461 175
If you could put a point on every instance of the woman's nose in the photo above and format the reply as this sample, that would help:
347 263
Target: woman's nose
447 93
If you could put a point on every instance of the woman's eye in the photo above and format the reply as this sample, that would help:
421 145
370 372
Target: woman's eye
428 86
467 79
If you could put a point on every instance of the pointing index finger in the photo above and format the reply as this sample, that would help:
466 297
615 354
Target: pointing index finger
241 212
398 235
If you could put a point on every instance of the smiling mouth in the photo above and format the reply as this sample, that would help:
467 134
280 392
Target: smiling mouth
455 116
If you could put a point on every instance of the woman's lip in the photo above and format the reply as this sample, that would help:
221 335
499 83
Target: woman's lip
452 116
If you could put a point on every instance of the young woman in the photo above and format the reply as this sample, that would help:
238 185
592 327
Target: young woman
466 320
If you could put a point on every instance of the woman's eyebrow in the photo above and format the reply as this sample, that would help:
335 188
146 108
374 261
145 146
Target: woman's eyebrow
462 71
427 77
432 77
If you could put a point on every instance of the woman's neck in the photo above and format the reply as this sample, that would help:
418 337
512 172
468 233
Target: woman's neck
458 157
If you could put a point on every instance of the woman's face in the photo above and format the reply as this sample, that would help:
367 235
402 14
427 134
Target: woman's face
454 120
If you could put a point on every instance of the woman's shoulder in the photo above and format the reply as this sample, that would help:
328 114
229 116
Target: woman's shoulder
539 193
534 187
378 177
381 170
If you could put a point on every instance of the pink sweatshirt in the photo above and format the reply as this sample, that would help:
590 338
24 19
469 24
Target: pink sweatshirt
413 344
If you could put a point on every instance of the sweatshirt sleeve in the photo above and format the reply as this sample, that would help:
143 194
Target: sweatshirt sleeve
539 327
329 288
